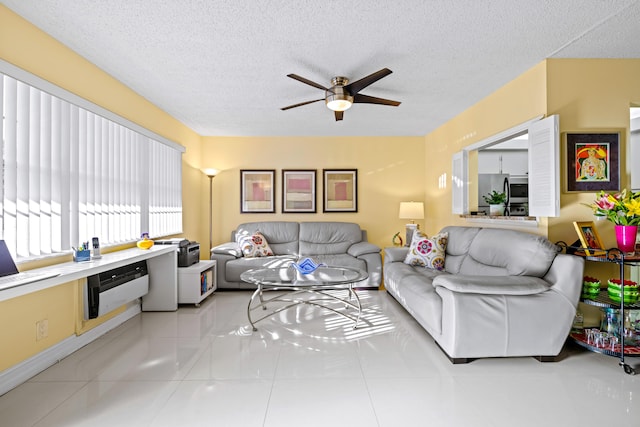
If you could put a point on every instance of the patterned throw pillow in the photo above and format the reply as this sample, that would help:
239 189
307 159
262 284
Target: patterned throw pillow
254 246
427 252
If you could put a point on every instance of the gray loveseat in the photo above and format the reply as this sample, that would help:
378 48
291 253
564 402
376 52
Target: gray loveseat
341 244
501 293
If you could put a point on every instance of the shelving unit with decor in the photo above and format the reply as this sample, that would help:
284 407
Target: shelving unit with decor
196 282
603 301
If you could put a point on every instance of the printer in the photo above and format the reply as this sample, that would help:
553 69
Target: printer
188 251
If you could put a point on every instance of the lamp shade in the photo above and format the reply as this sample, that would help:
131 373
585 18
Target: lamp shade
411 210
210 172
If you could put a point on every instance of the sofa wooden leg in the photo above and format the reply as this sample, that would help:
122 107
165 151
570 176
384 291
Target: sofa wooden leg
547 358
459 360
455 360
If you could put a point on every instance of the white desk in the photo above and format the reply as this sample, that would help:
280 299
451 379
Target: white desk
162 263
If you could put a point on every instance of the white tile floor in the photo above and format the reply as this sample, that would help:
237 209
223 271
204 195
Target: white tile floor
307 367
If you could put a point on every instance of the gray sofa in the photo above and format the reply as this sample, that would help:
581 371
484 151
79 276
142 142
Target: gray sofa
501 293
341 244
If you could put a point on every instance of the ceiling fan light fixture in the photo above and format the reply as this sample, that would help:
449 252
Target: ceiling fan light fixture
337 98
337 103
342 94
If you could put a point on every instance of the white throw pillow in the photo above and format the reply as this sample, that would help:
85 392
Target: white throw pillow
254 245
427 252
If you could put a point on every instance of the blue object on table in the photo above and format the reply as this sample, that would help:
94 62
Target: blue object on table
84 255
307 266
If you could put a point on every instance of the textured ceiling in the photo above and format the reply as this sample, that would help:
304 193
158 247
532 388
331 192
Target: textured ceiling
220 66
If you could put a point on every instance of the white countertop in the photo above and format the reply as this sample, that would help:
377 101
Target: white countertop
70 271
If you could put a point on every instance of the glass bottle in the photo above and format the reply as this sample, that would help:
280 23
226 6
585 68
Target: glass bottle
609 322
578 322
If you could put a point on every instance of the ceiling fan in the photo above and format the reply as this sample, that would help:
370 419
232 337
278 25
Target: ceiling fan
342 94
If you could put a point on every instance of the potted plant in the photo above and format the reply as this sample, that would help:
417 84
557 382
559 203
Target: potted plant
496 201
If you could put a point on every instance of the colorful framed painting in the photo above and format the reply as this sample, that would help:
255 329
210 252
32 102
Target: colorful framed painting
593 161
298 191
340 190
589 237
257 191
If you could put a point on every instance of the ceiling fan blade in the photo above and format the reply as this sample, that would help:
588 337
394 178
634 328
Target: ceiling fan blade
306 81
366 99
301 104
358 85
339 115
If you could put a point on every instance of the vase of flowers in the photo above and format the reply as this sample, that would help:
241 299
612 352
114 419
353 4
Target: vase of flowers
626 238
623 210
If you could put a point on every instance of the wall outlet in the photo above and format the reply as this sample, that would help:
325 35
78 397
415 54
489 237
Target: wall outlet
42 329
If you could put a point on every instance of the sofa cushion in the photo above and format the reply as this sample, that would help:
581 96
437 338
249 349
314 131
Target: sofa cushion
235 267
427 252
497 252
228 248
460 239
255 245
413 289
341 260
281 235
508 252
492 285
328 238
363 248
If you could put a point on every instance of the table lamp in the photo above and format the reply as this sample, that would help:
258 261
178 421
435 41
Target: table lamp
411 211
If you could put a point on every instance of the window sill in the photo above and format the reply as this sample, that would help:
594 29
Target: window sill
516 221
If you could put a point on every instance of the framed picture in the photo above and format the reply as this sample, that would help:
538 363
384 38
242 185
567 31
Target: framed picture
589 237
298 191
257 191
340 190
593 161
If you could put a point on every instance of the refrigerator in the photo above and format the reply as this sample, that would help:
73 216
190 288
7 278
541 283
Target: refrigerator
488 182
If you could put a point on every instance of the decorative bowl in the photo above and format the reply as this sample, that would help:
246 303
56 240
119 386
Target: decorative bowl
145 243
307 266
590 288
629 291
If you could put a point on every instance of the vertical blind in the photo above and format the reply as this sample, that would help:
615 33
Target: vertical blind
70 174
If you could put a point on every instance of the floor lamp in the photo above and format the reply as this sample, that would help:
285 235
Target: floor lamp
211 173
411 211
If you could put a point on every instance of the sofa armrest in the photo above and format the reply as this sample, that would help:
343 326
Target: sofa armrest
565 276
491 285
395 254
362 248
229 248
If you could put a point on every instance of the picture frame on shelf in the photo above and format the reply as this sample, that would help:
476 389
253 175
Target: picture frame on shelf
340 189
257 191
589 238
593 161
298 191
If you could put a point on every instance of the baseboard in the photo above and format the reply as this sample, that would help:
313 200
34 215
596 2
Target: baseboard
23 371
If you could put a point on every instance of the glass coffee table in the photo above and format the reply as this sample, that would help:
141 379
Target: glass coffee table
326 287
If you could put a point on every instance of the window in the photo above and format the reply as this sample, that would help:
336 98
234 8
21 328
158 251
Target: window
543 167
72 170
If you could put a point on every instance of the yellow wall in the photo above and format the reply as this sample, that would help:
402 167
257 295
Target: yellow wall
588 94
518 101
25 46
592 95
18 319
390 170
